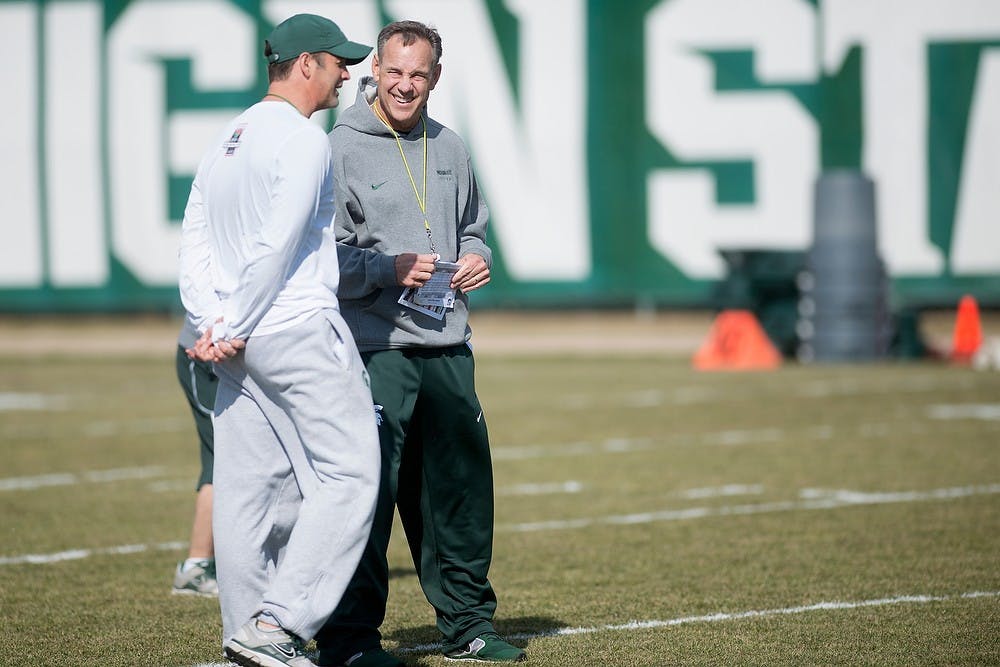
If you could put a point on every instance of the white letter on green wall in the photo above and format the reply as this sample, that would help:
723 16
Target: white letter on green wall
20 205
221 42
697 123
894 35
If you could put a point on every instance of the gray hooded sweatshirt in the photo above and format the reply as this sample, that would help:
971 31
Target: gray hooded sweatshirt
378 217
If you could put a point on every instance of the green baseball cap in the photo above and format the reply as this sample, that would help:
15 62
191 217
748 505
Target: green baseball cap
308 33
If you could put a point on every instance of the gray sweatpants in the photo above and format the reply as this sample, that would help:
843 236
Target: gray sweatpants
296 474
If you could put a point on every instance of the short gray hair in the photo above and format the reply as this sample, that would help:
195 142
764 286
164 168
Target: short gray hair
411 31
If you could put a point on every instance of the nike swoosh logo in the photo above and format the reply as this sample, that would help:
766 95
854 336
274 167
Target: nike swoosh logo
376 187
288 653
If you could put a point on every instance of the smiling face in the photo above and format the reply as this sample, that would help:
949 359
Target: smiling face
406 75
330 75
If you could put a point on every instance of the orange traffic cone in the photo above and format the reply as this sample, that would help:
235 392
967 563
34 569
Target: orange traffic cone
968 331
736 341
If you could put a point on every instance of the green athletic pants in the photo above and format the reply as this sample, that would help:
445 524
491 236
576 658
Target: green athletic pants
436 468
199 383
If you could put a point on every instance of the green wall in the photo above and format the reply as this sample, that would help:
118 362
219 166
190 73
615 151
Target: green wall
621 145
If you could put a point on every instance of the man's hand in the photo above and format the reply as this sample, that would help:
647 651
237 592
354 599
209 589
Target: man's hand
205 350
414 270
473 274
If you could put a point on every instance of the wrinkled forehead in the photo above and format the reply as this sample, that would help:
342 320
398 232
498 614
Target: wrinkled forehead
409 43
417 56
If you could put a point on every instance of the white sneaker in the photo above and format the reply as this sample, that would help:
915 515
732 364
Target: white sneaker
197 580
253 647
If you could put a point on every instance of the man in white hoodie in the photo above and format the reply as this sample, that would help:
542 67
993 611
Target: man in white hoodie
296 450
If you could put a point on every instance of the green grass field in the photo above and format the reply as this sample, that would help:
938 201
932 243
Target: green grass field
647 514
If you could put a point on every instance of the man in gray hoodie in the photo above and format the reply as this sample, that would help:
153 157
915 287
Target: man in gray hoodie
411 228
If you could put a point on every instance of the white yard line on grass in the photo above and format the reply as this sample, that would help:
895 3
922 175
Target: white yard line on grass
693 395
34 482
730 616
718 617
11 401
570 486
982 411
723 491
78 554
72 478
611 445
723 438
625 445
96 430
811 499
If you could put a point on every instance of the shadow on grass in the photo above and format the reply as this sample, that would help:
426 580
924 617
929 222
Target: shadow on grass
423 641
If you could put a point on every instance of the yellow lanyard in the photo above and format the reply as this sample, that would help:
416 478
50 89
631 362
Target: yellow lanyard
421 198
